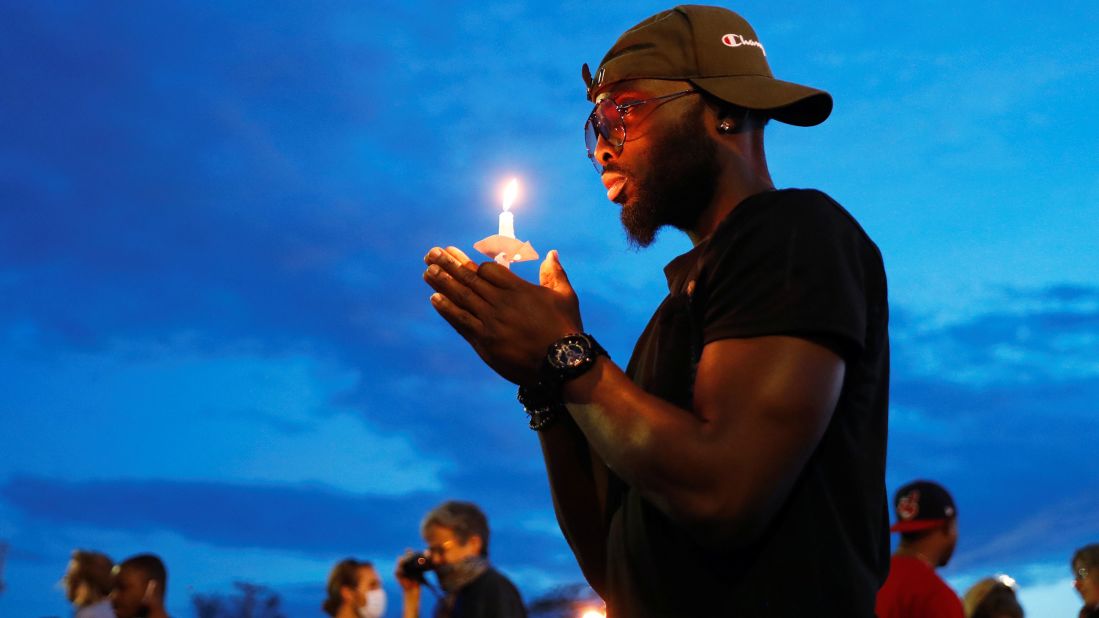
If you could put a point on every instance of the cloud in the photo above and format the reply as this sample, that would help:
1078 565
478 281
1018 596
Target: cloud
305 519
1018 338
1055 529
995 403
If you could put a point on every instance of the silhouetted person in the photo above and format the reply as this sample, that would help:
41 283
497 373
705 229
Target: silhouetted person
456 534
88 583
354 591
928 523
140 586
1085 572
743 444
992 597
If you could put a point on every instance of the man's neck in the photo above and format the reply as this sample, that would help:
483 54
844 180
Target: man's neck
724 203
742 175
927 557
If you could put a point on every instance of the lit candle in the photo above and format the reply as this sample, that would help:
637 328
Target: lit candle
507 218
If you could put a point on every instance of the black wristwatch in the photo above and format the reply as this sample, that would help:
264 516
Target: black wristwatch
569 357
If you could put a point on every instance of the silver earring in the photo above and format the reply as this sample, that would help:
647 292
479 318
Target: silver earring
725 127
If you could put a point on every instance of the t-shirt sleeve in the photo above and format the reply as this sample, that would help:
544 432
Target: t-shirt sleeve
793 266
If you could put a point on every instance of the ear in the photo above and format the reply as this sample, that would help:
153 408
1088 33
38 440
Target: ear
347 594
946 530
476 543
150 591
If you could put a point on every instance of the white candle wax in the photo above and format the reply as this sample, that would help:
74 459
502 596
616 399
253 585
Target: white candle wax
507 224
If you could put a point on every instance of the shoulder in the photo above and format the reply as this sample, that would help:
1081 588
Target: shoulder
939 598
98 610
945 602
802 207
787 203
493 581
491 595
774 219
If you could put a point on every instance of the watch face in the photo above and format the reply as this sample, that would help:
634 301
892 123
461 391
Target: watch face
570 354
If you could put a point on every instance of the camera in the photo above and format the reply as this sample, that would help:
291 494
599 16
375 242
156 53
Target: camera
414 566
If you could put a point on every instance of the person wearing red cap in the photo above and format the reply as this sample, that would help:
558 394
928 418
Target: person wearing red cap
927 521
736 465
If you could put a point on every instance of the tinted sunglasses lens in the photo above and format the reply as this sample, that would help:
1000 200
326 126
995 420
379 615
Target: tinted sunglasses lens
608 121
591 138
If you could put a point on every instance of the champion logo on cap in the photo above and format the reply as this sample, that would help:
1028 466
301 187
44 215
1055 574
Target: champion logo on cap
737 40
909 505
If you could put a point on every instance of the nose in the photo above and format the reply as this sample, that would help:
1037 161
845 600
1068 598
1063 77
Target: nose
604 152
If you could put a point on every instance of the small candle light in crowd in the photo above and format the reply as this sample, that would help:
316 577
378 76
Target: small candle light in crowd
507 218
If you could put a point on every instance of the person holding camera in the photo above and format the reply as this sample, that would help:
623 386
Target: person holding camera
456 534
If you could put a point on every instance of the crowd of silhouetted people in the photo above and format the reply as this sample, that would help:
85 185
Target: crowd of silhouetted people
457 543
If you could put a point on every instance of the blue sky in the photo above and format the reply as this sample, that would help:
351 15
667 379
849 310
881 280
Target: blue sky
214 339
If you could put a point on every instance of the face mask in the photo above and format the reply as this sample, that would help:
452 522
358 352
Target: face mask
375 604
454 576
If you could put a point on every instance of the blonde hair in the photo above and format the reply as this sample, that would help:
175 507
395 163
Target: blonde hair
991 596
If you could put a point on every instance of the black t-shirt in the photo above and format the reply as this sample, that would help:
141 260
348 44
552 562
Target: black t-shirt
489 596
789 262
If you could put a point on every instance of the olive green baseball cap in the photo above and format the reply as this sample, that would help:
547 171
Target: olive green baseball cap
716 50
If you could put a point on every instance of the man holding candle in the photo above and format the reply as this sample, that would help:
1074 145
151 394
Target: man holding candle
736 467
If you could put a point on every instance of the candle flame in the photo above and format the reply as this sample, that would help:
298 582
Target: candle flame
510 193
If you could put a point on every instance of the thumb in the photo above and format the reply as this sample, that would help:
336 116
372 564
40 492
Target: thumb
552 275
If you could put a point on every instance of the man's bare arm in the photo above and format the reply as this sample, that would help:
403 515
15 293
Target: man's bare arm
578 484
761 406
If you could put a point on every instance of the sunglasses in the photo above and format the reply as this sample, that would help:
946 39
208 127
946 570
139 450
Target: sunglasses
608 120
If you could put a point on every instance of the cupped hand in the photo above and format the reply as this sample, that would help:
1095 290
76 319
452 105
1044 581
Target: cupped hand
508 321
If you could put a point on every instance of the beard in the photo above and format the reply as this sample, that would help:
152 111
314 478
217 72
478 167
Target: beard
678 186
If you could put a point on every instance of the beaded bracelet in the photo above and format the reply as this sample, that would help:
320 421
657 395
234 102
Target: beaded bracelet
541 406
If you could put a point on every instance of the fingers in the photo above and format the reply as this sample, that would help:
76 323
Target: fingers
489 271
552 275
464 271
437 253
455 291
467 325
499 276
462 257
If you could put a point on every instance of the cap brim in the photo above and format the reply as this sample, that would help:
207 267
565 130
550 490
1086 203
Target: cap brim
916 525
784 101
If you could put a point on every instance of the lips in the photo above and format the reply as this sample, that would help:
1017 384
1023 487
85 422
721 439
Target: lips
614 184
